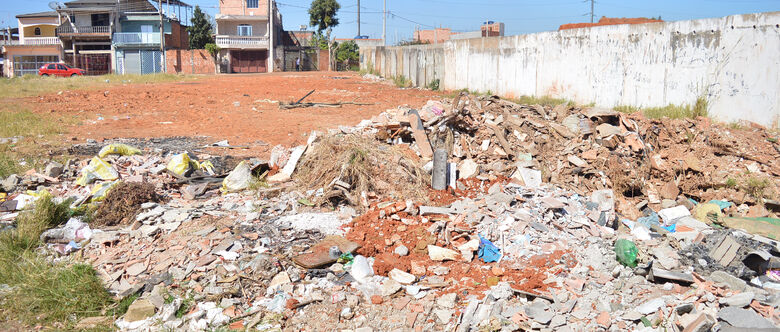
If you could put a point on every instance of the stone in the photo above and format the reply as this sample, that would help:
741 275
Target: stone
468 168
53 169
139 310
558 320
603 319
448 300
733 282
670 190
501 291
418 268
744 318
136 269
402 277
540 315
605 130
401 250
444 315
441 254
390 287
280 279
10 183
651 306
702 323
441 270
740 300
376 299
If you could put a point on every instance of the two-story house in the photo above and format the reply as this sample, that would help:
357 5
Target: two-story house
85 33
247 35
137 43
37 44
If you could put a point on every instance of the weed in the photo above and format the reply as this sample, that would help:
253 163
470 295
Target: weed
731 183
626 109
8 164
670 111
185 306
735 126
34 86
42 292
26 123
402 82
433 85
757 187
121 307
544 101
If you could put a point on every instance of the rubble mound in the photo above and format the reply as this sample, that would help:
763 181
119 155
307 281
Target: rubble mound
346 166
123 202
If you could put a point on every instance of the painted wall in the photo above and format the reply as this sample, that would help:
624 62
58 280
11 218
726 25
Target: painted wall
238 7
230 27
24 22
22 50
734 62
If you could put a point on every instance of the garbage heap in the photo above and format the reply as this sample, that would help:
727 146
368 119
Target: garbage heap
552 219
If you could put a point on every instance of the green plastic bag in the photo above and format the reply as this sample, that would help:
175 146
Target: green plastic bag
626 252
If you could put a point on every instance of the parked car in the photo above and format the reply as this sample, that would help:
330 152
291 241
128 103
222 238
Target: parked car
59 69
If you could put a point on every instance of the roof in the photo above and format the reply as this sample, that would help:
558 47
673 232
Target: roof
41 14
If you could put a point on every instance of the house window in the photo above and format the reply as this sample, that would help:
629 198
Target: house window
252 3
37 31
244 30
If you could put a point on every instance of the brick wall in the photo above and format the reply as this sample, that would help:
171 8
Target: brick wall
189 62
438 35
238 7
322 60
178 38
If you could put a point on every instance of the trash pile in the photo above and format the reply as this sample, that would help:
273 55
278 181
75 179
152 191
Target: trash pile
470 214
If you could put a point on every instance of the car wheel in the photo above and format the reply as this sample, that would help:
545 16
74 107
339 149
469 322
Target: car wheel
71 75
44 75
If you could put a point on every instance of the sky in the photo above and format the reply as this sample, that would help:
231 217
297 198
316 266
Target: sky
519 16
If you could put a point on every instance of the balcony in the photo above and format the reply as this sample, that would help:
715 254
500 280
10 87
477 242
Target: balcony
67 30
136 38
9 42
41 41
243 42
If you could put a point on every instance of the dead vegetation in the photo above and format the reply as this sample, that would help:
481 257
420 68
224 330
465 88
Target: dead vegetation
123 202
347 167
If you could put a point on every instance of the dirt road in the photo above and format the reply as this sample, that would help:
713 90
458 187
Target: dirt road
239 108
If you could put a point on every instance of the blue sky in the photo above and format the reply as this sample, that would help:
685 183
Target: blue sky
520 16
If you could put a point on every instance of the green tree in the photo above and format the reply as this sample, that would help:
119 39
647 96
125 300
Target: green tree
347 51
200 30
322 14
213 49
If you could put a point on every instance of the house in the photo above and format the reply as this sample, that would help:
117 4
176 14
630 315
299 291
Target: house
85 32
247 35
440 35
37 44
136 43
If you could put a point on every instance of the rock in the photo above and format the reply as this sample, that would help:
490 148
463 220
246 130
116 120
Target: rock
670 190
390 287
402 277
733 282
744 318
538 314
603 319
278 280
376 299
441 254
501 291
444 315
468 168
605 130
558 320
448 300
740 300
702 323
361 270
139 310
651 306
401 250
441 271
53 169
10 183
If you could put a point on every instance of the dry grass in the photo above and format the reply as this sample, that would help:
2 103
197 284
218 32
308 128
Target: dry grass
670 111
30 85
364 163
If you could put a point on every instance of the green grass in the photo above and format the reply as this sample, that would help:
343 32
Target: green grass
30 85
37 134
8 164
543 100
402 82
23 122
433 85
670 111
45 293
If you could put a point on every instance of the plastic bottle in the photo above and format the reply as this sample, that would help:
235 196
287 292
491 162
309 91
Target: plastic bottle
626 252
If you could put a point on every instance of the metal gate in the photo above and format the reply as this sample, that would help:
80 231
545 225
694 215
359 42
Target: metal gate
307 55
248 61
140 62
92 64
150 62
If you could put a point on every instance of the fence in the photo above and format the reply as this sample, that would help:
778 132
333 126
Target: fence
308 56
189 62
92 64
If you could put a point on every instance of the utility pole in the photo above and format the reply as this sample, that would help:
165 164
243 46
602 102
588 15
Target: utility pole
591 10
162 35
384 23
358 17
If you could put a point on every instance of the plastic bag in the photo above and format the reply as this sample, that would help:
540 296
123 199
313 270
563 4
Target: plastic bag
239 179
100 190
626 252
488 251
181 164
96 170
120 149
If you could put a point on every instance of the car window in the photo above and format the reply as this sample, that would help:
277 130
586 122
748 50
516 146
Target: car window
61 67
52 67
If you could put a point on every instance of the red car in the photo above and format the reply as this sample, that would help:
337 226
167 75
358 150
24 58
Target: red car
59 69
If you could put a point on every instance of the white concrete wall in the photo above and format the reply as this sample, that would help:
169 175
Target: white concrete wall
733 61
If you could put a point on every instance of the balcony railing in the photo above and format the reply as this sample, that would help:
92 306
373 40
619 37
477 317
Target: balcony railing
8 42
136 38
41 41
242 42
83 29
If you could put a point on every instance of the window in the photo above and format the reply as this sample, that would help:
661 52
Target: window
244 30
61 67
29 64
252 4
52 67
37 31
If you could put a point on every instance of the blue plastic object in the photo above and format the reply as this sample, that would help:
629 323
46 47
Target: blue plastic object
722 204
487 251
671 228
650 220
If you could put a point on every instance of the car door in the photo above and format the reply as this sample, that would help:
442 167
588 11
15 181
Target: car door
62 70
51 69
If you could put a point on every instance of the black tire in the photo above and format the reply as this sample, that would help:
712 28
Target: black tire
71 75
44 75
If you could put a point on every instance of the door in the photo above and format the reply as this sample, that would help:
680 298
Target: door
62 71
248 61
146 33
132 62
150 61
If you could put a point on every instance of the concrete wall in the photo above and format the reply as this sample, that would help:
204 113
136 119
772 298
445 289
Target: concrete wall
734 62
230 27
238 7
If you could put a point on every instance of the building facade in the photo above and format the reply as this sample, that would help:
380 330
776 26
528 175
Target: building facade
247 32
137 44
37 44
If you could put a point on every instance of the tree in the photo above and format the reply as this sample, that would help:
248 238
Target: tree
322 14
213 49
346 52
200 31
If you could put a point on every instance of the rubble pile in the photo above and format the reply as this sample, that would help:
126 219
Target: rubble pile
556 218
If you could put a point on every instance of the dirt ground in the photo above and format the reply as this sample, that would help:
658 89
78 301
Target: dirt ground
238 108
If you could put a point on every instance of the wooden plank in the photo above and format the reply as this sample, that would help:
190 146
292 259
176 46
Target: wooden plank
418 132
